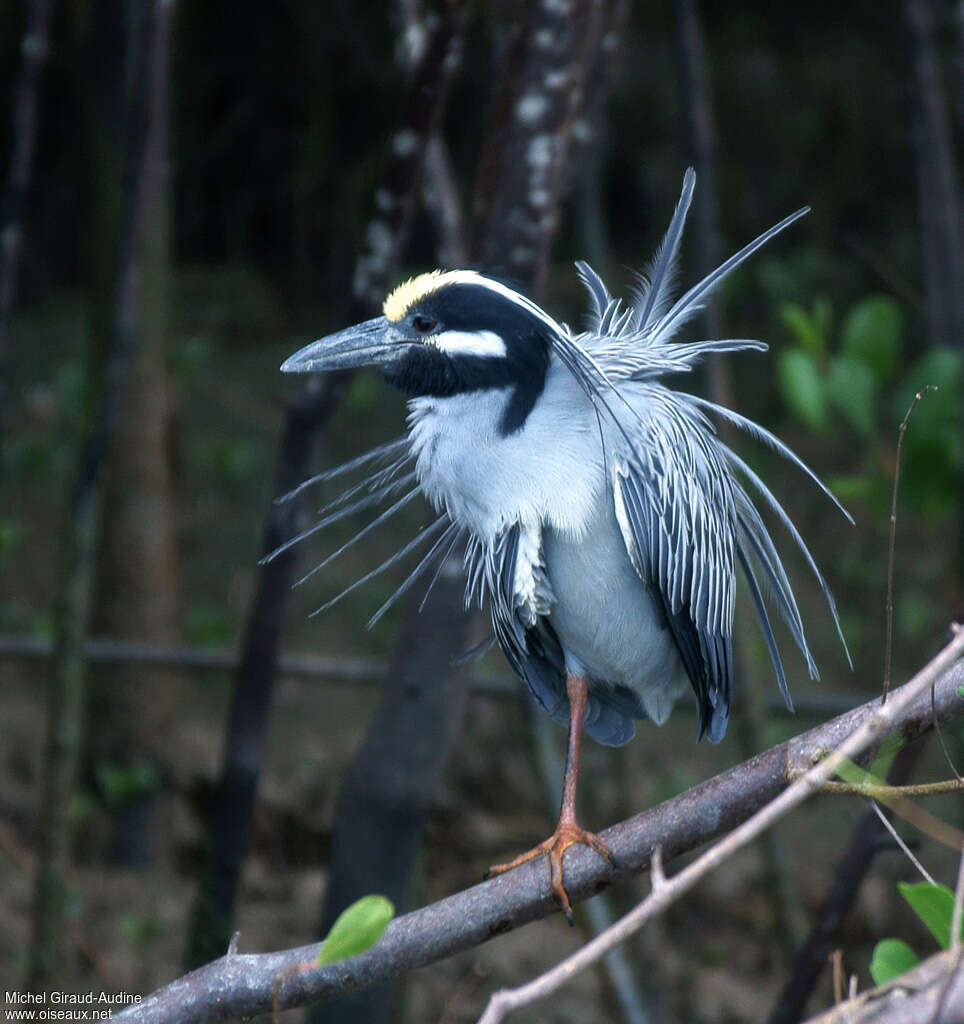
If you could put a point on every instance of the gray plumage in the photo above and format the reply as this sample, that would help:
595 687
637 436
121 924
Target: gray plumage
602 517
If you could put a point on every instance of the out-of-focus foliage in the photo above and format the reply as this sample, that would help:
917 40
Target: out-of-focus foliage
849 381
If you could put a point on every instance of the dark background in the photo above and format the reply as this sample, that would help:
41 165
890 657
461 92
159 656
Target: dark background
280 122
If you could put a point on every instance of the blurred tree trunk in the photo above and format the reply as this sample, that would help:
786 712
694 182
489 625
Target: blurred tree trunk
65 698
591 143
137 595
33 57
938 184
939 204
701 143
386 794
388 231
229 829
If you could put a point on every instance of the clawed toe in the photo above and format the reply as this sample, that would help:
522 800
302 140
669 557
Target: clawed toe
566 834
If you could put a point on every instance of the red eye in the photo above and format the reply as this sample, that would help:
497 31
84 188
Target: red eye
424 324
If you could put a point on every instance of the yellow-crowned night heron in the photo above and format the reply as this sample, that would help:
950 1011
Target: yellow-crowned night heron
600 513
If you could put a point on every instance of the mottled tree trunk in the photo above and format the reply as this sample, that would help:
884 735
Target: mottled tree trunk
525 166
701 143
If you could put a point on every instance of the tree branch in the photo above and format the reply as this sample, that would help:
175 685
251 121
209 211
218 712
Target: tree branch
342 668
873 728
869 838
240 985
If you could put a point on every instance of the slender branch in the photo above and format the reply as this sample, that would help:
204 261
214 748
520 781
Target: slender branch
905 849
246 737
870 730
885 792
947 754
241 985
889 644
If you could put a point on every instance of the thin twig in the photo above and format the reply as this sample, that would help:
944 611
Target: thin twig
940 739
874 726
900 842
885 792
836 960
888 647
919 817
657 876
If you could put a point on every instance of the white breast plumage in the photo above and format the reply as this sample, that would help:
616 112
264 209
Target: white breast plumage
549 472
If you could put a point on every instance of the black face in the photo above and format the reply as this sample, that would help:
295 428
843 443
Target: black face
426 369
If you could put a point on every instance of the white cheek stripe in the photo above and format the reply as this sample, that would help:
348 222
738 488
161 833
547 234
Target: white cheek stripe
470 343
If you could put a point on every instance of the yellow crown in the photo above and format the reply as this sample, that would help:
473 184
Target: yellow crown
401 300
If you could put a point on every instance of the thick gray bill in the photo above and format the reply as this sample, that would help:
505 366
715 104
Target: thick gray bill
373 341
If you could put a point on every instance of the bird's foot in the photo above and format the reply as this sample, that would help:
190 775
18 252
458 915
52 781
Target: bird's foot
565 835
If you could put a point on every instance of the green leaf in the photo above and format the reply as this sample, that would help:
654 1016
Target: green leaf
934 905
802 389
885 755
853 390
856 776
892 957
358 928
871 335
806 330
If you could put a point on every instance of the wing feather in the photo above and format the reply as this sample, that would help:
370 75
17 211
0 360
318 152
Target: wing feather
684 553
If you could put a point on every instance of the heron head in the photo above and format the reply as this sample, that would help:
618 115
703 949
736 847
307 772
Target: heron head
443 334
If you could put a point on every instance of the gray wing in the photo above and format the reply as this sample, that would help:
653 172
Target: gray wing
686 521
675 506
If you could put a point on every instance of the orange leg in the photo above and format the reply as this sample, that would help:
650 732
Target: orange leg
568 830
